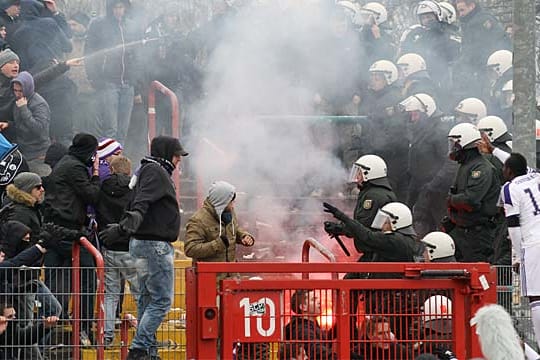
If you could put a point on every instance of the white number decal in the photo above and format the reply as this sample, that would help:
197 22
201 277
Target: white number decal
258 309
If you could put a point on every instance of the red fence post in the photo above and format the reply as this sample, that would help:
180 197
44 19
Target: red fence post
312 243
76 294
175 120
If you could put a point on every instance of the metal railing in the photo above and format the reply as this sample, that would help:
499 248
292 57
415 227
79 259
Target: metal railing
175 120
100 296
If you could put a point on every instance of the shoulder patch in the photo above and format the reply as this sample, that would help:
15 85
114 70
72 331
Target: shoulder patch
476 174
368 204
487 24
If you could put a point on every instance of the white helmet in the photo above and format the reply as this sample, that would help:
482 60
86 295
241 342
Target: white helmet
411 64
439 245
371 166
387 68
449 14
500 61
350 8
437 307
508 86
465 134
493 126
398 214
428 6
473 108
419 102
375 9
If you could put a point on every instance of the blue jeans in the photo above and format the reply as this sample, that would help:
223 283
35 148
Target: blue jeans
118 265
114 111
155 272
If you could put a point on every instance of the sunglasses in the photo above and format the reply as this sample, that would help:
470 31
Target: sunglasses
39 187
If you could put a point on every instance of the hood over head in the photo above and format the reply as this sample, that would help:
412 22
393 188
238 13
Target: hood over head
83 147
11 235
27 82
112 3
54 153
220 194
31 9
166 147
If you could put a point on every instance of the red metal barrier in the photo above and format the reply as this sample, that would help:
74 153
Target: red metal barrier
312 243
76 295
262 306
175 120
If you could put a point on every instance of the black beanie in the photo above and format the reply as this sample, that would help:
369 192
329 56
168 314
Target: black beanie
54 153
83 147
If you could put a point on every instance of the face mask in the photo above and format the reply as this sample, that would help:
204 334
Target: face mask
226 217
455 151
380 219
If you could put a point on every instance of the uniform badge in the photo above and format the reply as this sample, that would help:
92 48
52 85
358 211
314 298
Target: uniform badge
476 174
368 204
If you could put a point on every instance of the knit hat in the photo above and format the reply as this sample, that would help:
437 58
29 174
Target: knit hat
81 18
108 147
54 153
83 147
7 56
26 181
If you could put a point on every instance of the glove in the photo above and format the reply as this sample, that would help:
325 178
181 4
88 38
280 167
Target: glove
61 233
338 214
446 225
112 234
47 240
333 228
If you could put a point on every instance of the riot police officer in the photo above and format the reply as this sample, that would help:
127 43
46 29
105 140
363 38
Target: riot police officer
428 168
472 200
369 172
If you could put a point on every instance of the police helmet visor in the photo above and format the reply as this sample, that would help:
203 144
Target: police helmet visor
380 219
356 174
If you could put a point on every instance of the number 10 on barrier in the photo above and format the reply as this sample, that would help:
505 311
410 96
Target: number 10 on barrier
261 316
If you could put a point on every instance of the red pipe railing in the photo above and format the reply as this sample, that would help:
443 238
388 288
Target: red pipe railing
312 243
76 296
127 322
175 120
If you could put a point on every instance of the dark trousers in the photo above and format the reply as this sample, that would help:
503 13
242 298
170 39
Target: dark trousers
474 244
58 280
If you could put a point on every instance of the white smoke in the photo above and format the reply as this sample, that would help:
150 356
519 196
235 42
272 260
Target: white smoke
268 67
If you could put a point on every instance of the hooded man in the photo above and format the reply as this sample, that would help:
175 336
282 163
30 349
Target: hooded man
38 39
153 222
70 190
111 69
32 117
213 232
9 13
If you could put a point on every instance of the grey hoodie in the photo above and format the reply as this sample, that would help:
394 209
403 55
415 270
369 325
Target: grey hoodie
220 195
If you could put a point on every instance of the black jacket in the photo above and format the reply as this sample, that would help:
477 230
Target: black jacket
114 198
22 207
154 199
301 328
71 190
17 336
118 64
39 39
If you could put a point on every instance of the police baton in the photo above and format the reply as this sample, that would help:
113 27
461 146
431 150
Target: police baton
342 245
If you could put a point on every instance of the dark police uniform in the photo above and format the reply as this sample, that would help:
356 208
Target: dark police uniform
472 206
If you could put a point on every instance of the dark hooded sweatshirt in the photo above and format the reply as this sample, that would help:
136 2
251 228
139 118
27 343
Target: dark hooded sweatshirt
118 64
31 120
39 39
114 198
70 187
154 213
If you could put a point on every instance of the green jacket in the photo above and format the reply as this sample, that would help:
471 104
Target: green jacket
473 199
371 198
203 241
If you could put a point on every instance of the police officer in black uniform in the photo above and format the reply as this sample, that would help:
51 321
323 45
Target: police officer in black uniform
391 238
472 201
482 34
